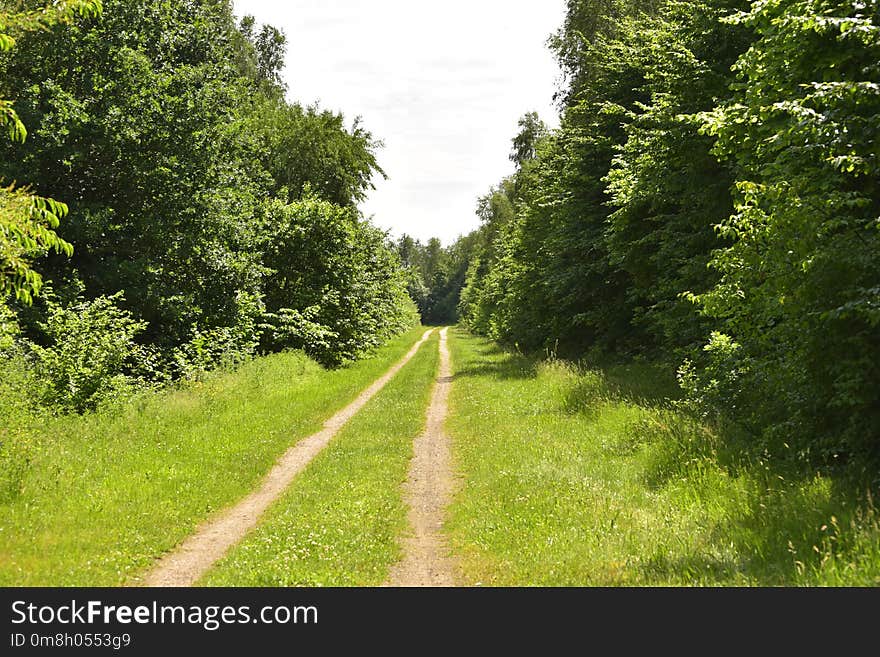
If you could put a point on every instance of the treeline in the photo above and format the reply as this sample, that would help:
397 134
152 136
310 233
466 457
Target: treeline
711 199
200 217
435 275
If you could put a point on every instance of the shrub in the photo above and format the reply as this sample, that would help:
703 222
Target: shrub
335 289
92 355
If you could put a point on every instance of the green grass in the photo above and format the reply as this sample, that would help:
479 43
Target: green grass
340 521
105 494
577 476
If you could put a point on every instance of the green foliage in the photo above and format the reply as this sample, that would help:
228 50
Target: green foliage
91 356
14 127
586 24
309 149
717 383
166 128
141 137
8 328
334 288
436 275
267 56
798 282
484 303
289 327
525 144
27 222
667 188
710 197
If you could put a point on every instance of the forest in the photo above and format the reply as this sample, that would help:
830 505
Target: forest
711 200
677 290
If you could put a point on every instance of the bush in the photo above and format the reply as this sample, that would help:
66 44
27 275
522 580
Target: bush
289 326
8 327
799 279
92 355
336 290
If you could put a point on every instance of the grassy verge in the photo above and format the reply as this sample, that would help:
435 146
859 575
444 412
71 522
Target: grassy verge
104 494
339 523
590 477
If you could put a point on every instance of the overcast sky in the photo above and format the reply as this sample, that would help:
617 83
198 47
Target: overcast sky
442 84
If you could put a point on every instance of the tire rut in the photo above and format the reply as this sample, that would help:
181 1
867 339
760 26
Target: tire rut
427 492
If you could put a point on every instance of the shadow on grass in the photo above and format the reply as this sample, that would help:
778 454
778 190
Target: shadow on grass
645 383
662 568
641 384
499 363
800 534
782 523
648 384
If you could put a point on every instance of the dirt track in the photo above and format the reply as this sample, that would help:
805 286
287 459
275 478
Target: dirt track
427 491
186 564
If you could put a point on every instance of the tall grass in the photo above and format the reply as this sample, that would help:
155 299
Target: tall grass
101 496
577 475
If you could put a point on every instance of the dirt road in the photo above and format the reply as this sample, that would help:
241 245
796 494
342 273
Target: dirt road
186 564
428 490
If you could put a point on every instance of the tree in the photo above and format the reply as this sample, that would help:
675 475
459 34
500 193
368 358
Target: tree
263 60
309 149
27 221
166 128
666 187
525 144
712 191
436 275
334 289
798 299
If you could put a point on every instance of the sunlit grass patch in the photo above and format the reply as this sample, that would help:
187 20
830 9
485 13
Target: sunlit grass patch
577 475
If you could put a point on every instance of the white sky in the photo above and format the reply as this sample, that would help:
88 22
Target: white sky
442 84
